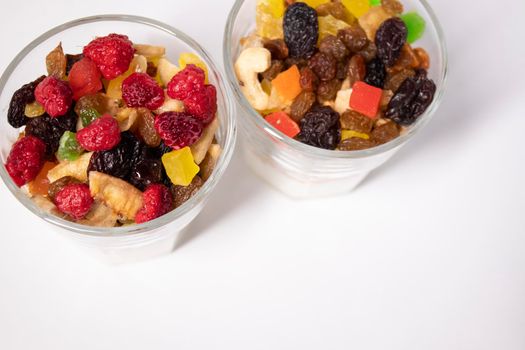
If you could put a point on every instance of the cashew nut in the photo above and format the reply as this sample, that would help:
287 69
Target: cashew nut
252 61
342 101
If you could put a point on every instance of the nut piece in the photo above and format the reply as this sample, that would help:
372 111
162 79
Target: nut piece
251 62
117 194
77 169
200 148
126 118
100 215
170 105
208 164
149 50
342 101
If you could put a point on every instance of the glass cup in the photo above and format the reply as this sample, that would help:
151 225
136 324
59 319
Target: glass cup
303 171
126 243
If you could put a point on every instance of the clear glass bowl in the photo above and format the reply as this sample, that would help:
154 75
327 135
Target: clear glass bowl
303 171
128 242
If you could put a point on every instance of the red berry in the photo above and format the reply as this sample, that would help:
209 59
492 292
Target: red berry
84 78
112 54
101 135
157 202
55 95
178 130
74 200
26 159
141 90
202 104
188 80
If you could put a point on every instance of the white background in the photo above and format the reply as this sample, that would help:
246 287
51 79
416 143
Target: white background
429 253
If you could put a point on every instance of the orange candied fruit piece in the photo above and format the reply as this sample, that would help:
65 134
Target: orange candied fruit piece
282 122
287 83
40 185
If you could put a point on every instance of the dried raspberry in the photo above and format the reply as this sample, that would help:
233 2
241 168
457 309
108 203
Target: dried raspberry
74 200
157 202
185 82
178 130
141 90
25 160
203 104
101 135
84 78
112 54
55 95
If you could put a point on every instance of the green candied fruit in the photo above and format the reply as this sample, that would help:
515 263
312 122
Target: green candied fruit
87 115
415 25
375 2
69 149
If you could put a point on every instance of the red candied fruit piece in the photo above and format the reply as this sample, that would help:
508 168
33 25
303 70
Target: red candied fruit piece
74 200
55 95
365 99
26 159
141 90
202 104
282 122
84 78
178 129
112 54
157 202
185 82
101 135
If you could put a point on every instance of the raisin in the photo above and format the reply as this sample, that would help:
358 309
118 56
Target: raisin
71 60
335 9
341 70
407 60
301 30
274 70
394 81
26 94
385 133
369 52
308 80
118 161
324 66
385 100
356 144
56 62
411 99
393 7
327 90
353 37
301 105
145 127
147 170
356 69
59 184
332 46
353 120
299 62
50 130
390 38
182 194
277 48
423 58
320 128
375 73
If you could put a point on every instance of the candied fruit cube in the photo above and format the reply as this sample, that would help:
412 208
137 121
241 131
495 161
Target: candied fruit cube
288 84
269 18
415 25
375 2
282 122
329 25
180 166
365 99
357 7
186 58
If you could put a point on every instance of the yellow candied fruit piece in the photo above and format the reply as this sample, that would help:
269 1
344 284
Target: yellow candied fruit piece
348 134
114 86
186 58
33 110
314 3
269 18
329 25
357 7
180 166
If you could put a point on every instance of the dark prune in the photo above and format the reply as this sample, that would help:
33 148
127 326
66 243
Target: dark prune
334 47
324 66
145 172
356 69
277 48
301 30
353 37
385 133
375 73
181 194
26 94
352 120
308 80
118 161
411 99
320 128
327 90
390 38
71 60
50 130
356 144
276 68
301 105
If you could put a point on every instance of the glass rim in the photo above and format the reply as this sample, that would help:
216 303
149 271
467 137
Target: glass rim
311 151
201 195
